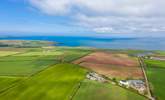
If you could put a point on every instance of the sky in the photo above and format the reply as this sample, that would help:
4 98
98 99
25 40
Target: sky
137 18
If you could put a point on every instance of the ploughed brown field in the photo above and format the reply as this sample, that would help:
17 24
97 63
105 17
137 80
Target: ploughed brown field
113 65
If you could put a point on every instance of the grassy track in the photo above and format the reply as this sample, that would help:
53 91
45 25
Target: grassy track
155 73
54 83
91 90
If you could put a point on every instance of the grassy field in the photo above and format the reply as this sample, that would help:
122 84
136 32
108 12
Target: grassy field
23 67
41 53
92 90
155 63
6 82
155 73
160 53
36 59
54 83
6 53
49 76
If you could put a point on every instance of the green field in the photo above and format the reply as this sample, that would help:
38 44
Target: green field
55 83
92 90
37 59
155 63
6 53
160 52
23 67
41 53
155 73
49 75
7 82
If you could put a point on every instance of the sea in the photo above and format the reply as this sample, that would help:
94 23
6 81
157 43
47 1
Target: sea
100 42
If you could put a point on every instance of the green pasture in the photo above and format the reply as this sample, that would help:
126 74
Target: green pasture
57 82
36 59
155 72
157 81
160 53
155 63
64 54
23 67
92 90
7 82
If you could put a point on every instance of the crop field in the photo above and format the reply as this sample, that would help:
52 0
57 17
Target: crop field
92 90
155 73
55 83
112 65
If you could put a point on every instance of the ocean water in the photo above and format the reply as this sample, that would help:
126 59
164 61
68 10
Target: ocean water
105 43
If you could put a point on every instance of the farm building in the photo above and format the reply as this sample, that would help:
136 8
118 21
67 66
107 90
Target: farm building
96 77
138 85
158 58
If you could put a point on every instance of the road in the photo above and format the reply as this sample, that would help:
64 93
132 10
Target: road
143 66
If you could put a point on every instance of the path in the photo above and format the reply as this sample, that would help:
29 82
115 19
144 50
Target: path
143 66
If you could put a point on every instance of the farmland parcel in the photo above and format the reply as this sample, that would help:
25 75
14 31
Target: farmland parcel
155 73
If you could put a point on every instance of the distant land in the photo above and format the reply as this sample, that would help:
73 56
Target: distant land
96 42
25 43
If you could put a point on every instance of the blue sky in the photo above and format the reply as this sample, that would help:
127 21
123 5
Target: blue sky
136 18
18 17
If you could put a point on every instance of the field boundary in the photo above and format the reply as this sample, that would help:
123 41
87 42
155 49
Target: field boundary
143 66
33 74
11 86
14 54
81 56
77 87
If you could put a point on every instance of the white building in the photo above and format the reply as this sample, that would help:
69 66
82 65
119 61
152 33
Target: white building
123 83
138 85
95 77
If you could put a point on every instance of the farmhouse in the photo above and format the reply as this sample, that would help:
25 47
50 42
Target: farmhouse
95 76
123 83
138 85
144 54
158 58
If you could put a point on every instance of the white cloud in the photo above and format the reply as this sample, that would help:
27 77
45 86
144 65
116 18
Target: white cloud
107 7
53 7
116 16
118 24
103 29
